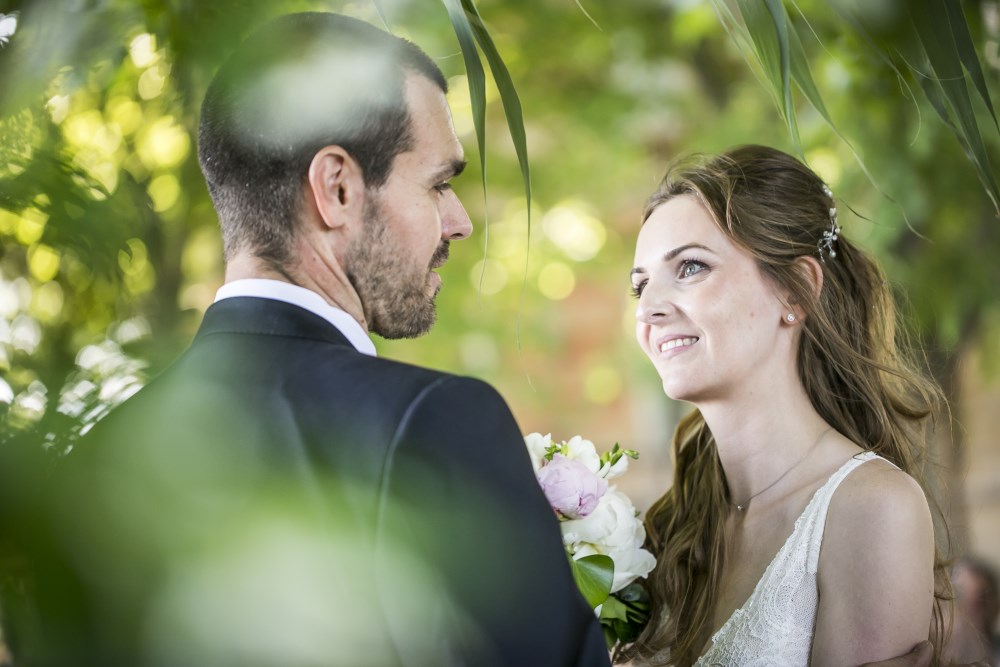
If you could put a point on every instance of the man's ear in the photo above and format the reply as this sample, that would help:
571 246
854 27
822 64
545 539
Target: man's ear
336 186
812 275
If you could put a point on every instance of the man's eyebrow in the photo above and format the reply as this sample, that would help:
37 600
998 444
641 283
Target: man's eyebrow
673 253
450 170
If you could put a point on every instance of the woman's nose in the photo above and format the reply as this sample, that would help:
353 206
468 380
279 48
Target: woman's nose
654 305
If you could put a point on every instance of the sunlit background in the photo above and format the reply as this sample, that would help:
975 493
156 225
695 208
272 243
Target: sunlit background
109 248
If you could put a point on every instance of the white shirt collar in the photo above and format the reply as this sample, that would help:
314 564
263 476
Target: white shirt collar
303 298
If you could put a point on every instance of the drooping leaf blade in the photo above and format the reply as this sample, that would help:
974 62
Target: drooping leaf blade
967 54
474 73
587 14
515 125
381 13
508 96
802 76
768 35
942 54
878 52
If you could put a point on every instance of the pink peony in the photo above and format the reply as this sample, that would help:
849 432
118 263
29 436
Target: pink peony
570 487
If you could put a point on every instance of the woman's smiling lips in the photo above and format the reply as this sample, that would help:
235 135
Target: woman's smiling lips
669 346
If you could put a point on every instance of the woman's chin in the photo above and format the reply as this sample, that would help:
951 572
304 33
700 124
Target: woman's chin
679 392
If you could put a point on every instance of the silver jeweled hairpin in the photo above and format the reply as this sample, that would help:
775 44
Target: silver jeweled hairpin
826 242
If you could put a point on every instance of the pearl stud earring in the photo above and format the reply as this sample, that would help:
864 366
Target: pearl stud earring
790 317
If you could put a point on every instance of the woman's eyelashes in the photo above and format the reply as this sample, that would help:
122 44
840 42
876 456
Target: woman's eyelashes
441 188
686 268
691 267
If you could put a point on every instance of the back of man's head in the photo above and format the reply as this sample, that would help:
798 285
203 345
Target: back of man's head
297 84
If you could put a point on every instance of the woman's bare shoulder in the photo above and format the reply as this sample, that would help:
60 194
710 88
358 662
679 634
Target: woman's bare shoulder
876 567
878 490
878 514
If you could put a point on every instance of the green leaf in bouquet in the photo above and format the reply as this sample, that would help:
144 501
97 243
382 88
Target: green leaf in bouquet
625 614
613 455
594 576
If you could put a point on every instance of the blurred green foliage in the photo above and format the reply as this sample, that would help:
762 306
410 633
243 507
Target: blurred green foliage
109 248
108 240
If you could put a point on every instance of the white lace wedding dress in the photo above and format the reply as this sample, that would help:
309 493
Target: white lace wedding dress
774 628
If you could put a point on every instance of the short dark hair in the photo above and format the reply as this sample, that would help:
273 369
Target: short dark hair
297 84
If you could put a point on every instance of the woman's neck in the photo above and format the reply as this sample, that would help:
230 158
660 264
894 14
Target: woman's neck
761 434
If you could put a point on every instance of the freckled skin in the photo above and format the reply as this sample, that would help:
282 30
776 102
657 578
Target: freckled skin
725 301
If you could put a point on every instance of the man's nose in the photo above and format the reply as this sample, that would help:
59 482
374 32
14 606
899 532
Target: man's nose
455 222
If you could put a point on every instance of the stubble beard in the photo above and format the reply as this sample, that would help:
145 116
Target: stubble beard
394 298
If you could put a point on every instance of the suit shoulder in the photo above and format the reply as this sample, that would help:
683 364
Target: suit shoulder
425 384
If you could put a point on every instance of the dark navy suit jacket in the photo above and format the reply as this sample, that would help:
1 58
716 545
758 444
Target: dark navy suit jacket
421 476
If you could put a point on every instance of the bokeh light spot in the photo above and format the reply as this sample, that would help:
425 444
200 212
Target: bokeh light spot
556 281
151 83
163 144
136 267
31 225
47 302
164 190
43 262
602 384
142 50
460 104
827 165
478 352
58 108
577 233
490 281
125 113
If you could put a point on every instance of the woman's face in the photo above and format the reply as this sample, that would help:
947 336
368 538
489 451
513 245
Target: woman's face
710 322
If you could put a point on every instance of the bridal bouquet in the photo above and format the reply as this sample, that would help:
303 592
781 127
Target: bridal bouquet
600 528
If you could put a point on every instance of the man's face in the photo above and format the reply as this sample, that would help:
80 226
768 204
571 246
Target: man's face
409 221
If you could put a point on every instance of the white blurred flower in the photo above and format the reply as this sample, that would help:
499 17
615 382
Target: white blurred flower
30 404
25 334
8 26
6 393
537 446
583 451
10 303
131 330
118 388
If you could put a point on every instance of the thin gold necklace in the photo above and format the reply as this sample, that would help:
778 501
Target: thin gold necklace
741 506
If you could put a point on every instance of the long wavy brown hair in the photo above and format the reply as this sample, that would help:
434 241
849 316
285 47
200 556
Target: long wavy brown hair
854 363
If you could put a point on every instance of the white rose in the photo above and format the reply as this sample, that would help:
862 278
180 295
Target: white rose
611 525
613 530
619 468
585 452
537 444
630 564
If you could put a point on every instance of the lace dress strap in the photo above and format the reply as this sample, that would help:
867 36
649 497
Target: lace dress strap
775 626
816 518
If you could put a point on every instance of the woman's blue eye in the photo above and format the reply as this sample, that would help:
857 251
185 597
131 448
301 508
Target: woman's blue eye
690 267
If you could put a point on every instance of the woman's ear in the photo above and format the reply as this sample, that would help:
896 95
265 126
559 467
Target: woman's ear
336 187
812 275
